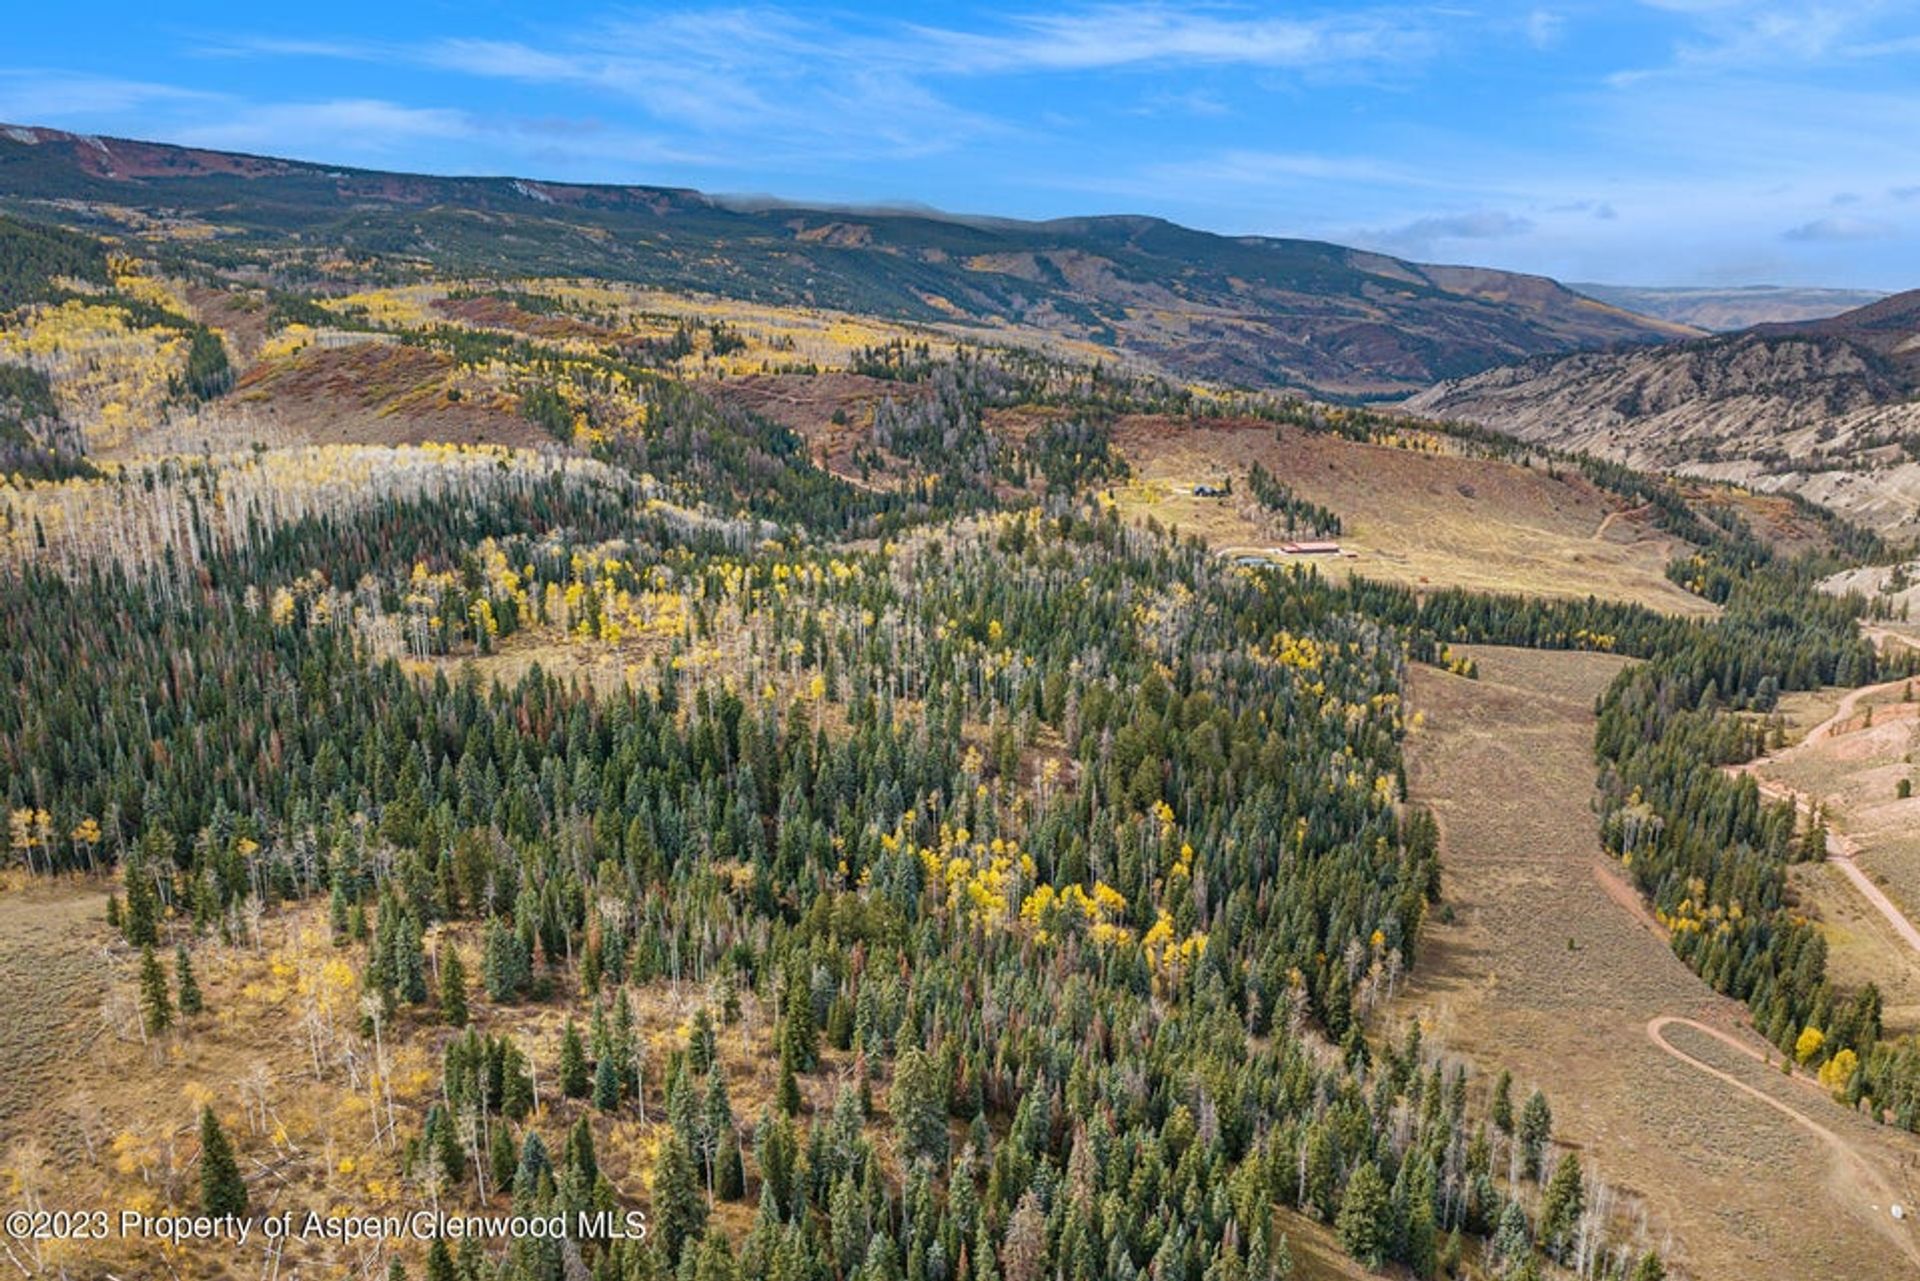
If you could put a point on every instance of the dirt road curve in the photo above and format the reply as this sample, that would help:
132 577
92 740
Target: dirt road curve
1551 966
1842 851
1870 1180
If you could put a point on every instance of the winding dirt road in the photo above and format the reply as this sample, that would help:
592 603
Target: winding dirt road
1869 1178
1842 850
1553 967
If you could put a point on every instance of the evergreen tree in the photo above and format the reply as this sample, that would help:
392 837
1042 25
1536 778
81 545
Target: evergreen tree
575 1080
506 966
1560 1208
606 1085
191 1002
453 988
919 1104
440 1262
679 1207
156 1005
222 1190
1365 1222
143 911
1536 1127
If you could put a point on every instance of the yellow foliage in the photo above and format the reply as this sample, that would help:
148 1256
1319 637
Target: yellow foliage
1837 1072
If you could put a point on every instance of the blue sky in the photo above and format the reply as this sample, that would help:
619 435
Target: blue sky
1652 142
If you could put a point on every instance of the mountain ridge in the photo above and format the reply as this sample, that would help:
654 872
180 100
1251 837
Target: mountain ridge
1261 311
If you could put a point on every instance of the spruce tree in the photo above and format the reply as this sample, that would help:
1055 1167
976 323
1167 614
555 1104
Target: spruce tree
222 1190
606 1085
679 1206
143 912
156 1006
453 988
919 1104
1365 1221
1536 1127
1560 1208
575 1080
191 1002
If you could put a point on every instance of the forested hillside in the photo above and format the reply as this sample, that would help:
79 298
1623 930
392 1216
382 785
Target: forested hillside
1248 309
524 775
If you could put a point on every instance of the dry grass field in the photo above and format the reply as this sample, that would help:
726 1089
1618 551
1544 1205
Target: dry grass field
1409 515
52 972
1551 966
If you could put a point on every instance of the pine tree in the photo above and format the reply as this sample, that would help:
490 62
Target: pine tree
1365 1222
730 1171
919 1104
156 1006
1503 1103
799 1037
679 1207
222 1190
440 1262
1650 1268
1560 1208
143 912
191 1001
453 988
506 967
1536 1127
606 1085
787 1094
575 1080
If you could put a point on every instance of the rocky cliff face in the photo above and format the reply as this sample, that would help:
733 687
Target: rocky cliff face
1828 408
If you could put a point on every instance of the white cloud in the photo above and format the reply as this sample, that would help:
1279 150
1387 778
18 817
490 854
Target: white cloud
1428 234
1842 229
1128 35
342 126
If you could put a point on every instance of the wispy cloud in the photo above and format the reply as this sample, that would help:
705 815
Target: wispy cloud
1131 35
1427 235
363 125
1841 229
32 95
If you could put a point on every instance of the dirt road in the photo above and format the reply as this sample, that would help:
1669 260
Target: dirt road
1886 1195
1842 850
1552 967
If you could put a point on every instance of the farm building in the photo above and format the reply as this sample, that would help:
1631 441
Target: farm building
1311 547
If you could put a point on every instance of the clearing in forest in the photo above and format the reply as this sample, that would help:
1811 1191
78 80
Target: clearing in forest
1421 514
1551 966
1850 765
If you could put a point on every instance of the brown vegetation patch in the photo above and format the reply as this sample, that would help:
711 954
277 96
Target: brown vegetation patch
378 393
487 312
1420 515
833 412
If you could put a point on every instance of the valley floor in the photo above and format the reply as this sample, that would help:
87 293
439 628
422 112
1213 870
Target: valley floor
1552 967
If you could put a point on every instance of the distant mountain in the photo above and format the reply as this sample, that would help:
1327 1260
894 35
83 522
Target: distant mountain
1248 310
1829 408
1725 310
